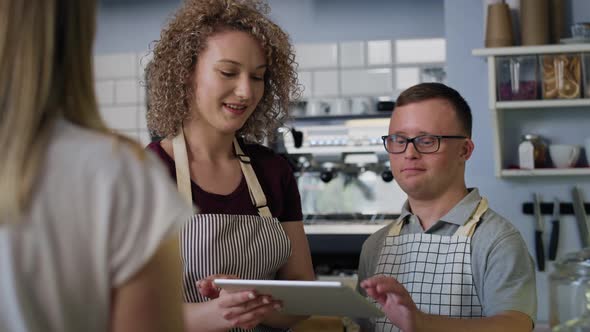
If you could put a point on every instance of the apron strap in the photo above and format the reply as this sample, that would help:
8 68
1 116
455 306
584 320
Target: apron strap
183 178
254 188
469 227
466 230
396 227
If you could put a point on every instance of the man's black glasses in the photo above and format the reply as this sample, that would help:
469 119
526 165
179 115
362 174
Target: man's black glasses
424 143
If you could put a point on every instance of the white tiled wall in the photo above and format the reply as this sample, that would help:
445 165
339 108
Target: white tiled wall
121 93
366 81
406 77
352 54
112 66
366 68
317 55
325 83
379 52
326 70
420 50
305 80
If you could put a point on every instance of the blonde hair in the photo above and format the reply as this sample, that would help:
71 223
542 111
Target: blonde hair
45 73
169 74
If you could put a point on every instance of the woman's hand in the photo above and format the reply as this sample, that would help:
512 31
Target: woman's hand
207 287
396 302
244 309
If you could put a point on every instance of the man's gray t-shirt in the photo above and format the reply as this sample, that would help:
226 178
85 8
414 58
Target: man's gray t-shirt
503 270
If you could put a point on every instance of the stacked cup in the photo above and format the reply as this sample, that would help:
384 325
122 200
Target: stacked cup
499 26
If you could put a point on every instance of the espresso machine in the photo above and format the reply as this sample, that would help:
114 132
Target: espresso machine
347 189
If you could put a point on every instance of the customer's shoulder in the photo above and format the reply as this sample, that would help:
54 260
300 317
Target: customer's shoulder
89 152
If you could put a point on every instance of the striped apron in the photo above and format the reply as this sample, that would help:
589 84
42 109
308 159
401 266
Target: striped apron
251 247
434 269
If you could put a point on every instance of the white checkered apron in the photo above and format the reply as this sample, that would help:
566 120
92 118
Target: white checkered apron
434 269
251 247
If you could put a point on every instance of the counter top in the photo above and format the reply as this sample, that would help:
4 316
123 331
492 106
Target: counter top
344 227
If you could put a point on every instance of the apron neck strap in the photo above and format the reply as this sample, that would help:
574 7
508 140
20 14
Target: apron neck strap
396 227
469 227
254 188
183 178
466 230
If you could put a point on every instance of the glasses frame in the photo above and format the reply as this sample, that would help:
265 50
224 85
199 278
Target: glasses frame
413 141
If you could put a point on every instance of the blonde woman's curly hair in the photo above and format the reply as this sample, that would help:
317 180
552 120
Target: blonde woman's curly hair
169 73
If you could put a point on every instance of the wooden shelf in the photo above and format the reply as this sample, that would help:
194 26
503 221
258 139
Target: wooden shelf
535 104
500 109
540 49
545 172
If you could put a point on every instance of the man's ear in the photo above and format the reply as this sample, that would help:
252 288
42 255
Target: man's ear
467 149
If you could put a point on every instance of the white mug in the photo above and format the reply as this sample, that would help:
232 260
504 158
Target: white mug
564 155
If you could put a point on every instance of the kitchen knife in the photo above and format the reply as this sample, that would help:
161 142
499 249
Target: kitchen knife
581 218
539 227
554 239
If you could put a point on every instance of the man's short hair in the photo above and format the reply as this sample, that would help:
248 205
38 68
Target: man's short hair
426 91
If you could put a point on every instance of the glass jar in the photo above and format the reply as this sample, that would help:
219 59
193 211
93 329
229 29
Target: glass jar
532 152
569 293
586 77
561 75
517 77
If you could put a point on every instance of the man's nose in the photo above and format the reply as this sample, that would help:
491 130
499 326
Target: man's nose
411 152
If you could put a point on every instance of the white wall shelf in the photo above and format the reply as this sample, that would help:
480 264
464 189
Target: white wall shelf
498 108
522 50
545 172
536 104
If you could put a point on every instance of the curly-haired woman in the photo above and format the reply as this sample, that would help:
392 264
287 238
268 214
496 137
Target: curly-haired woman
219 83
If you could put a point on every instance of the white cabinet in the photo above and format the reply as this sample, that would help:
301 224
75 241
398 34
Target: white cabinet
567 120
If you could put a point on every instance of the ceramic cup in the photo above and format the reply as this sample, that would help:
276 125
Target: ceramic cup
340 106
564 155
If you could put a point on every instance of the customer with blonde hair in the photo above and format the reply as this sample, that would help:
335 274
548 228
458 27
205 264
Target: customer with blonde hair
88 221
219 83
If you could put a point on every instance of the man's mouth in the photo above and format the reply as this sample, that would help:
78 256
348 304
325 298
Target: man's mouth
412 169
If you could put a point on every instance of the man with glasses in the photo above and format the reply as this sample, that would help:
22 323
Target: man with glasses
449 263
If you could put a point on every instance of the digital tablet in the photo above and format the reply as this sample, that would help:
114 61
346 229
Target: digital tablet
322 298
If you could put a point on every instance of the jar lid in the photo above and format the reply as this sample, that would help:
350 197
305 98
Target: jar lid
531 137
574 263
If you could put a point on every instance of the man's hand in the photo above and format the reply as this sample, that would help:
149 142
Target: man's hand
396 302
208 289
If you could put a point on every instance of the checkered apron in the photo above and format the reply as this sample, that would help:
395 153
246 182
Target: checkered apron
251 247
435 269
